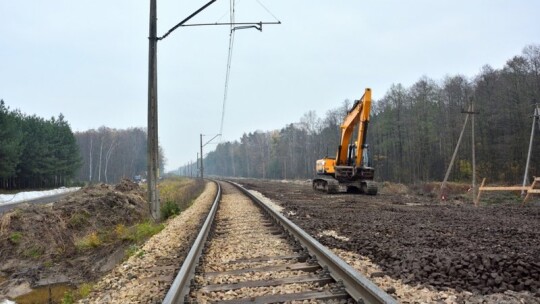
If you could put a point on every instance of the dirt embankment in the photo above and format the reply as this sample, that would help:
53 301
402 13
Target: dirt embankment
148 274
74 240
419 241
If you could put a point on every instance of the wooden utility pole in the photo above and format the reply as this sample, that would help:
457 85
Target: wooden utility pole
443 185
152 156
471 112
198 166
153 151
473 152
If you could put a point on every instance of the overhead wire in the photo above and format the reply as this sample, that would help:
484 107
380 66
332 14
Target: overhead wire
267 10
229 61
230 54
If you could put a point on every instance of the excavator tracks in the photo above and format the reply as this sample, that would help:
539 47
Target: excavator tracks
251 255
331 186
327 185
370 188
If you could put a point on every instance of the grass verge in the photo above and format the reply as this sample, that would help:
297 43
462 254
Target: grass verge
178 193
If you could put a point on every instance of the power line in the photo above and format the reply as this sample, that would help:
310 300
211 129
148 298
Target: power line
233 29
267 10
229 60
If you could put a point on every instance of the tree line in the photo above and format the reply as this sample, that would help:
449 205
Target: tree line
108 155
35 152
40 153
412 133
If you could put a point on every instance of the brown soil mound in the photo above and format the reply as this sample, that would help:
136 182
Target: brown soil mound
127 185
39 241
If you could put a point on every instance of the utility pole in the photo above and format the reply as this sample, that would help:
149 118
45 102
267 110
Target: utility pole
198 166
202 167
153 150
443 185
152 156
472 113
536 116
473 152
202 145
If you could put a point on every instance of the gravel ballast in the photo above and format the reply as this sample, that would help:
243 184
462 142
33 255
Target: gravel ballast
243 232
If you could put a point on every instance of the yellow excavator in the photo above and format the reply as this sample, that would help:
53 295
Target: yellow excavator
350 169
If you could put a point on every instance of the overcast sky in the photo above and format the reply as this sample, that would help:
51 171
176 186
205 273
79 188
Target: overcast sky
89 59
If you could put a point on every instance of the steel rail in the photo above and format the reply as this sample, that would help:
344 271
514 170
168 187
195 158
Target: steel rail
358 286
181 284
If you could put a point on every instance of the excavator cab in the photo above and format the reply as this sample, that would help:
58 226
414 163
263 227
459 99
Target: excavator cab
366 159
351 155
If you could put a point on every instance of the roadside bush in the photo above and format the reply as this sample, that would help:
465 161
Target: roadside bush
120 231
68 298
90 241
147 229
181 191
85 289
15 237
142 231
33 252
78 220
169 209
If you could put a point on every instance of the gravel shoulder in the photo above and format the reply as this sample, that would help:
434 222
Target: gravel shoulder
147 275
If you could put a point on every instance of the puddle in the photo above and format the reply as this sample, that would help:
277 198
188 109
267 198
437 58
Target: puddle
41 294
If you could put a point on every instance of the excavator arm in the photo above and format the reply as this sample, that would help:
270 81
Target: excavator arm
358 115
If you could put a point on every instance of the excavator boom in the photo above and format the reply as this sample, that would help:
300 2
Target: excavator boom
358 115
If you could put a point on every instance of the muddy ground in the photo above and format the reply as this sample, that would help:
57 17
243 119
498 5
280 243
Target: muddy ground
71 241
414 238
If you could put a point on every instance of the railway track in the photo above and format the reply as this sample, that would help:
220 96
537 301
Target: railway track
248 253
